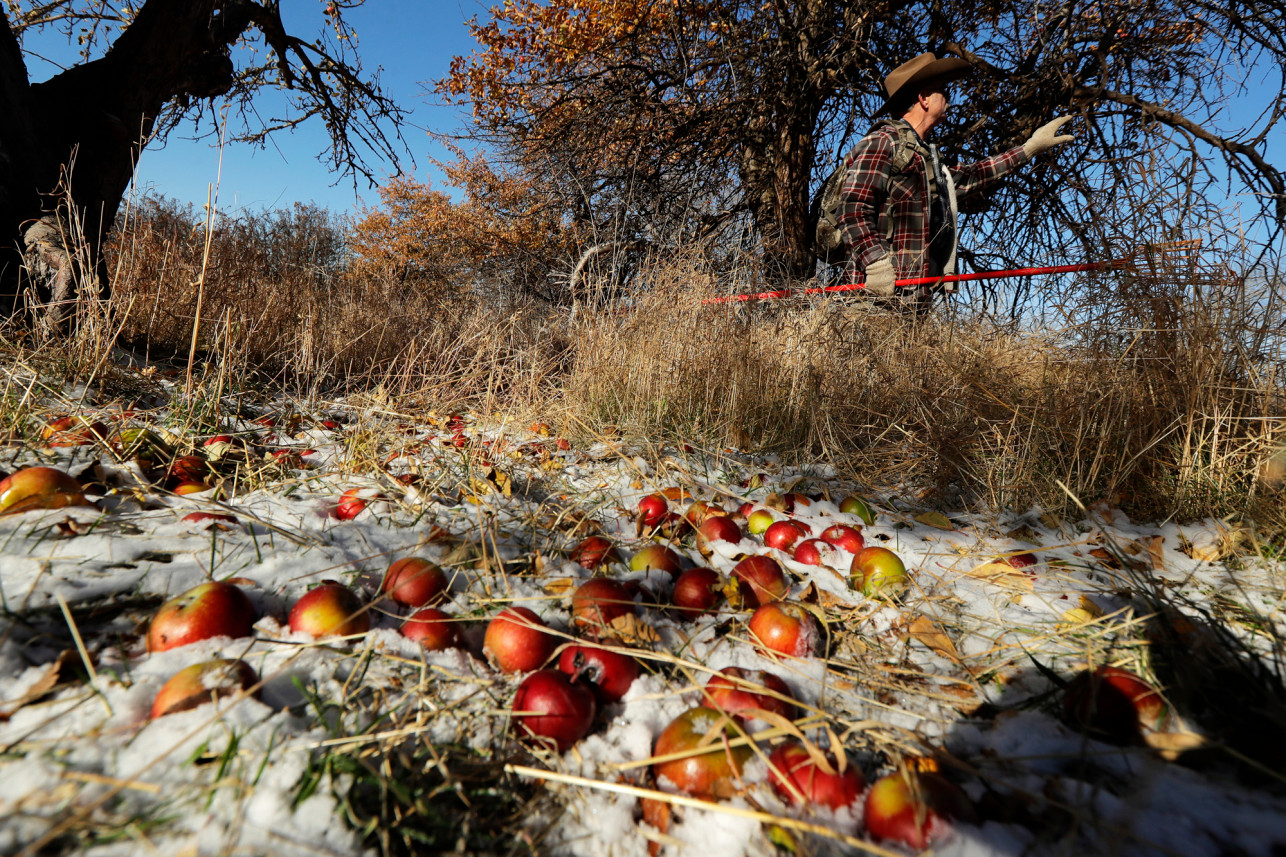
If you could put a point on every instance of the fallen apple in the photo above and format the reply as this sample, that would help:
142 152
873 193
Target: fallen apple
353 502
737 691
433 629
912 808
517 640
187 468
653 509
717 528
597 603
844 537
708 766
593 551
815 552
697 591
785 629
797 777
759 521
854 505
1113 704
550 707
202 683
329 610
39 488
783 535
415 582
699 510
217 609
183 489
760 580
656 556
877 571
609 674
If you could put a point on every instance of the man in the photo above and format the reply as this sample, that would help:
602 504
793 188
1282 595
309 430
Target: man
897 209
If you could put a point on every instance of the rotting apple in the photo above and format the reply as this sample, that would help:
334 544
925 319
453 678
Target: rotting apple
40 488
699 510
710 766
795 774
653 509
844 537
550 707
855 505
878 571
415 582
517 640
329 610
783 535
697 591
656 556
593 551
759 521
736 691
785 629
216 609
913 807
760 580
597 603
608 673
1113 704
433 629
201 683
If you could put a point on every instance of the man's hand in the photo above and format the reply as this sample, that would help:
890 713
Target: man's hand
1045 138
879 278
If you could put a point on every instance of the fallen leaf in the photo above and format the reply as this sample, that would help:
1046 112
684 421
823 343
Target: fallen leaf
926 631
52 676
631 629
559 586
937 520
1002 574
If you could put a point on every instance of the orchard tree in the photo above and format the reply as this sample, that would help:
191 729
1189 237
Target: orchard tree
69 145
701 116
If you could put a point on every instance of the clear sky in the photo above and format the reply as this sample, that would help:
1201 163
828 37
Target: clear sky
412 40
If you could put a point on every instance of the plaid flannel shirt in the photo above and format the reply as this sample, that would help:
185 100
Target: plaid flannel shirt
885 214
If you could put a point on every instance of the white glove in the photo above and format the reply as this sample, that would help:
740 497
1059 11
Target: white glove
879 277
1044 137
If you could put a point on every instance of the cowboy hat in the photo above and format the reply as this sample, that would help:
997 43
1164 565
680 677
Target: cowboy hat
909 76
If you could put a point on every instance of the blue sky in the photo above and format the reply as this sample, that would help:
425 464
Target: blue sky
412 40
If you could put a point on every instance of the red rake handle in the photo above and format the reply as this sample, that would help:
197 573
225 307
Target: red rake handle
921 281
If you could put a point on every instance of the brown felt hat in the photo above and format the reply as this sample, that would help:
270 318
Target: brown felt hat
911 75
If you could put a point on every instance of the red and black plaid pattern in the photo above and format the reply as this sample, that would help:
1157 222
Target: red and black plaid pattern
882 212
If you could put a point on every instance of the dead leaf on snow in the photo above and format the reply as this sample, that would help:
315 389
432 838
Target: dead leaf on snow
1002 574
937 520
51 678
559 586
633 630
928 632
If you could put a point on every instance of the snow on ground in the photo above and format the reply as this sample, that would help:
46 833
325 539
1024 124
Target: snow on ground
964 666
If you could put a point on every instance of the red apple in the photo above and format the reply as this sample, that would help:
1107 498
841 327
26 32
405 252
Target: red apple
609 674
814 552
1021 560
551 708
653 509
217 439
1113 704
597 603
697 590
913 808
790 765
717 528
415 582
854 505
594 551
760 580
877 571
432 629
40 488
785 629
844 537
188 468
710 767
759 521
352 503
217 609
329 610
784 534
736 691
202 517
202 683
517 641
656 556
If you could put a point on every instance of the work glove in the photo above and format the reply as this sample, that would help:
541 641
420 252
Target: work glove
880 278
1044 137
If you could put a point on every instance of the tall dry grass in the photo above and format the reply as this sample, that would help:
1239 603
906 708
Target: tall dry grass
1157 388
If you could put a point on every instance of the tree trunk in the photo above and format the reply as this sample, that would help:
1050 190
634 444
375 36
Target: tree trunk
69 145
